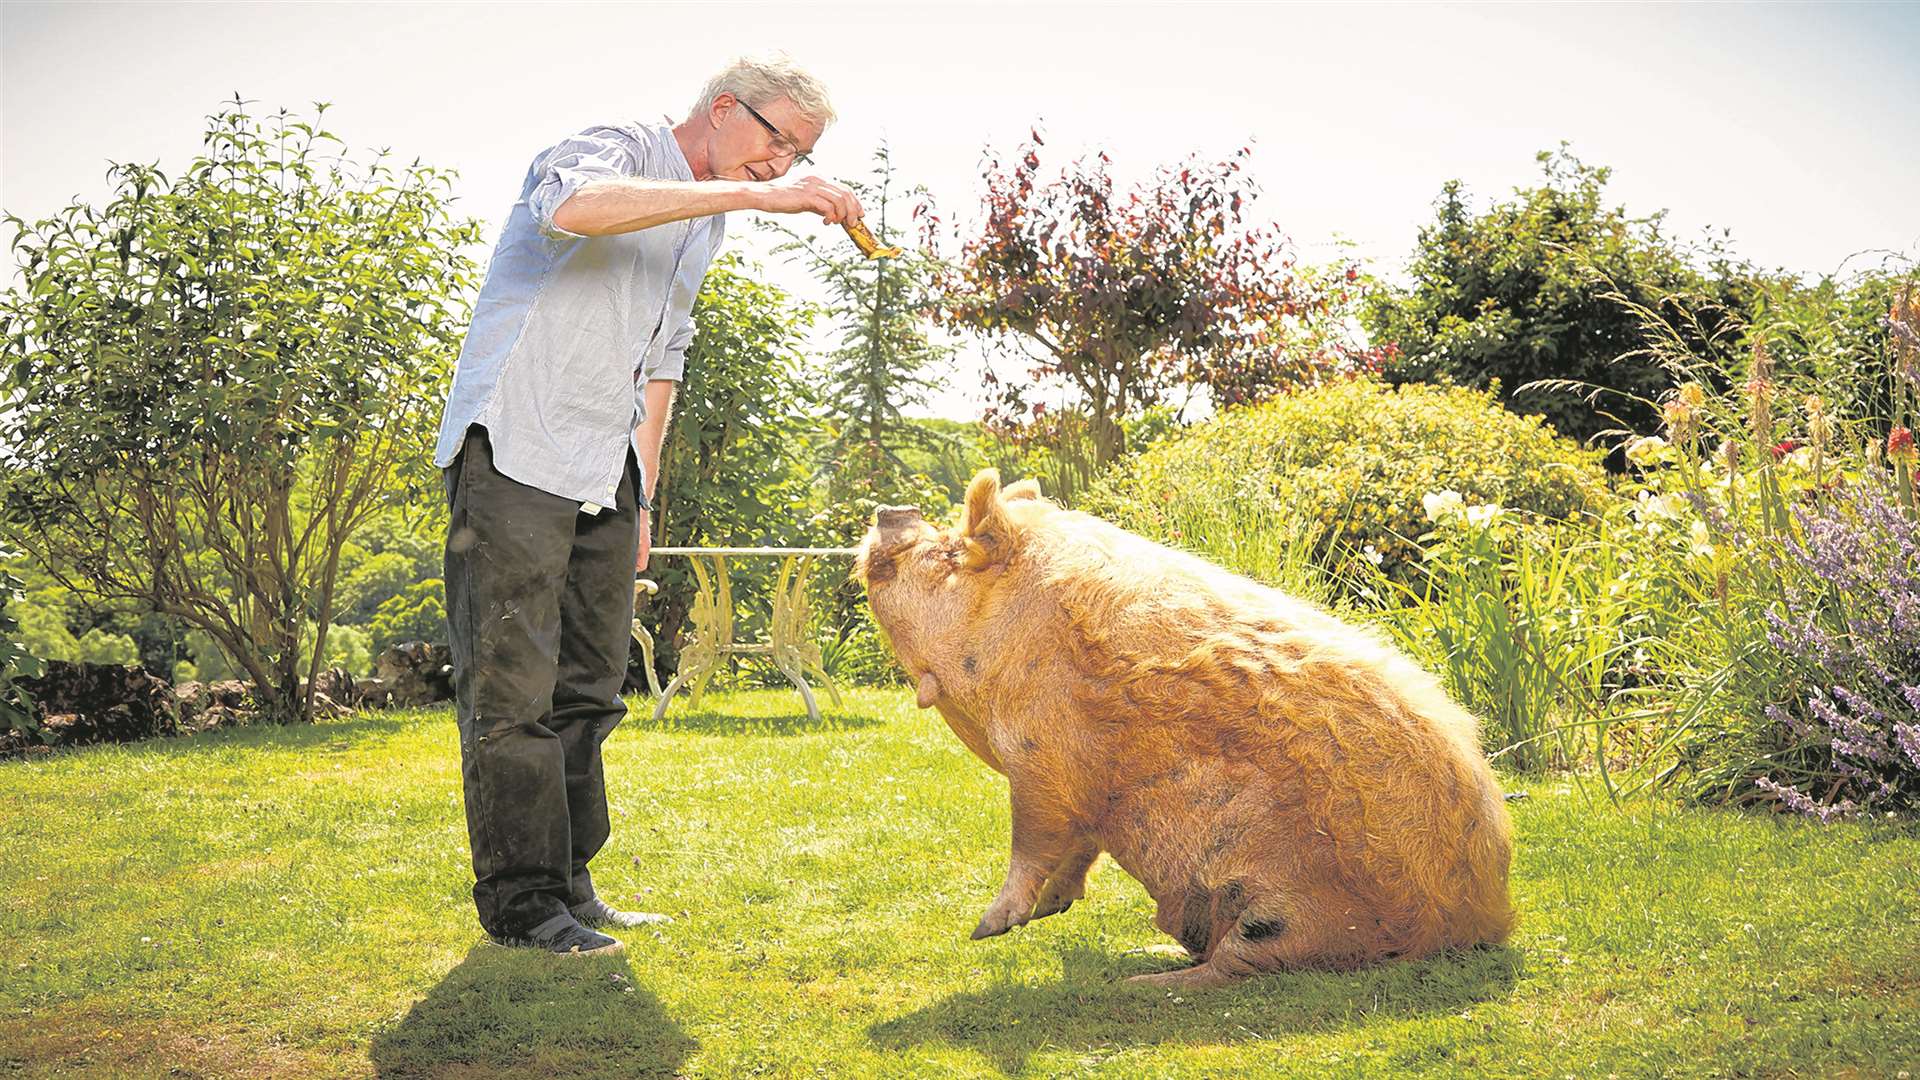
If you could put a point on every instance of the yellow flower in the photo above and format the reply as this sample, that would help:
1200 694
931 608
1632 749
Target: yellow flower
1646 450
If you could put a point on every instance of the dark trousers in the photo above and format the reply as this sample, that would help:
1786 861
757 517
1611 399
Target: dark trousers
540 610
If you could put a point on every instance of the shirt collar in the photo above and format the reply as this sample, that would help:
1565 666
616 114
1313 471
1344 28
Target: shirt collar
677 161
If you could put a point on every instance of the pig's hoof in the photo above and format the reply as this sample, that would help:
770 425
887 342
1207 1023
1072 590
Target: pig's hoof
992 927
1055 899
995 922
1051 905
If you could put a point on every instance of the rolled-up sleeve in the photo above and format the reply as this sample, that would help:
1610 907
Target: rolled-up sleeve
673 359
672 363
568 166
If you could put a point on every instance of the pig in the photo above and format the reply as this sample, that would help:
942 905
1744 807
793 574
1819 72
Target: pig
1292 791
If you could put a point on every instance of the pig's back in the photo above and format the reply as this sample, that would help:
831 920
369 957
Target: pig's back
1336 723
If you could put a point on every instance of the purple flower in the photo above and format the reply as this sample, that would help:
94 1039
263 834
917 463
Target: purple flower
1861 707
1799 728
1799 801
1847 628
1908 736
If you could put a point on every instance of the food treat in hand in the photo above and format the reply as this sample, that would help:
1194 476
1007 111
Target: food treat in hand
869 247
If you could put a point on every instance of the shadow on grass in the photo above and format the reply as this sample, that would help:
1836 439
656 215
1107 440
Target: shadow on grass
516 1012
1093 1007
706 720
322 735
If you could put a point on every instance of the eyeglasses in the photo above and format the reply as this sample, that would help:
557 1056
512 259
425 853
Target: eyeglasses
782 145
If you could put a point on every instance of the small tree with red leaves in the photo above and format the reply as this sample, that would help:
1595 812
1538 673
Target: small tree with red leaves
1125 298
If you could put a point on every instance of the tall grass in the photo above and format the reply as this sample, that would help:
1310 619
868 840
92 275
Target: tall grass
1517 616
1262 540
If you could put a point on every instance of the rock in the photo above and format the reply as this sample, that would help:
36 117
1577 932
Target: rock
231 693
222 716
416 673
332 693
371 693
206 706
93 703
335 683
191 698
324 706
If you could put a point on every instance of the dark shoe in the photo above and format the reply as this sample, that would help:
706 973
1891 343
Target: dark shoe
595 912
563 934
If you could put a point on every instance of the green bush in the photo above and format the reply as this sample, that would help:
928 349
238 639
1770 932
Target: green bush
16 661
1347 462
1518 292
416 613
99 646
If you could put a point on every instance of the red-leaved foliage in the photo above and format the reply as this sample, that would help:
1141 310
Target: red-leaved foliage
1124 297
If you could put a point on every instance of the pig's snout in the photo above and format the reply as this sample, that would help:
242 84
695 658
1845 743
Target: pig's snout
889 519
893 528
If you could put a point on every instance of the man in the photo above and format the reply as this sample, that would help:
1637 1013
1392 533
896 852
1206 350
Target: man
551 448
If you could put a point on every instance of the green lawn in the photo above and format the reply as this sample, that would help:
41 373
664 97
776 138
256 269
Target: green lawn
294 902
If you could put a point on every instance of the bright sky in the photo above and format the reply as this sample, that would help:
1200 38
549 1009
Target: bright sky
1792 126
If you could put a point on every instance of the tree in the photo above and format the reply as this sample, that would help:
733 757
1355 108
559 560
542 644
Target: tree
211 382
1544 286
415 613
881 366
880 369
16 662
1123 299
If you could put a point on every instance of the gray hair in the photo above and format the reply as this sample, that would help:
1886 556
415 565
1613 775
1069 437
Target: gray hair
758 80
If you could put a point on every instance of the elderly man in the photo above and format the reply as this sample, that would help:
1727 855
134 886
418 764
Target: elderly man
550 445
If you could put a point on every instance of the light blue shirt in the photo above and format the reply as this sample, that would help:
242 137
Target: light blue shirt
568 329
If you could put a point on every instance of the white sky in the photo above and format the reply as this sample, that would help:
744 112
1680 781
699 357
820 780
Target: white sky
1796 127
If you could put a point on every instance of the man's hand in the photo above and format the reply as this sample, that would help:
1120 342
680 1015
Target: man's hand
646 540
812 195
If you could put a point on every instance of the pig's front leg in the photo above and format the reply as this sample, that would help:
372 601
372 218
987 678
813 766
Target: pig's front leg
1044 841
1066 882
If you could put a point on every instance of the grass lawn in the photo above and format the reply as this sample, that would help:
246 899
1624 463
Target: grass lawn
294 902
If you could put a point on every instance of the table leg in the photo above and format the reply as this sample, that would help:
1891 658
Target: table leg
721 615
712 637
793 653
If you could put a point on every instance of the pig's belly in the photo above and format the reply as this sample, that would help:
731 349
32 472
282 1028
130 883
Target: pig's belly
1200 827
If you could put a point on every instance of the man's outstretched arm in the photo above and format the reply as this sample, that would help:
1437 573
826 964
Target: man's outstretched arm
628 204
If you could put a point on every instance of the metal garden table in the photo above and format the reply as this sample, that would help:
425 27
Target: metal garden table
712 615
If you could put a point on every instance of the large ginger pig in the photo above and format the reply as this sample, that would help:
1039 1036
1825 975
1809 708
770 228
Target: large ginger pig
1291 791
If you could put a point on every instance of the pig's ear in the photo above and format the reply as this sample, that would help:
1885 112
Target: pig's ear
1025 489
988 534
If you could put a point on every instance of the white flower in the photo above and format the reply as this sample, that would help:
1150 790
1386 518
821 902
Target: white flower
1442 504
1700 540
1646 450
1660 507
1373 556
1801 458
1483 515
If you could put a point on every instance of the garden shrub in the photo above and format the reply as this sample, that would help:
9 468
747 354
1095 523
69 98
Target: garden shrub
16 662
1531 288
1847 625
1348 463
1799 685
